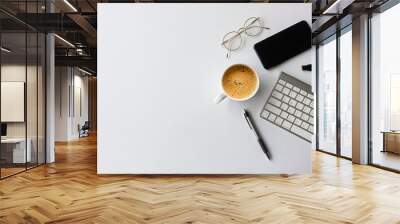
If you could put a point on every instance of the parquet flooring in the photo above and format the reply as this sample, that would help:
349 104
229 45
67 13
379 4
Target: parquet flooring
70 191
10 171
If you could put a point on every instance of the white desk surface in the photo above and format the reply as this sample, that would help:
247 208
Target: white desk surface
159 67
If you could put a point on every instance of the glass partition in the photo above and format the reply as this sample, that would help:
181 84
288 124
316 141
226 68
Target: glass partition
41 88
14 153
23 89
32 95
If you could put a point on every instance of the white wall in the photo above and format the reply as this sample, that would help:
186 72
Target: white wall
80 111
62 81
69 84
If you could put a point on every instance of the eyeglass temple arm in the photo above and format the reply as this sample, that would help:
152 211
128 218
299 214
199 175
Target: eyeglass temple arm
229 39
241 30
258 18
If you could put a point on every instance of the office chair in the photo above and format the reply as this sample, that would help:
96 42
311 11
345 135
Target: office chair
84 130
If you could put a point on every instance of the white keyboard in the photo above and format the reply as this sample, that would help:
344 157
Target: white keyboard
291 107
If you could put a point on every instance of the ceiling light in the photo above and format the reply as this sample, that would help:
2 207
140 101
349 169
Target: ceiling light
70 5
65 41
84 71
5 50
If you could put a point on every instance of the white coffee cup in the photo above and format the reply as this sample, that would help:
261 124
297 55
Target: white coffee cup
224 94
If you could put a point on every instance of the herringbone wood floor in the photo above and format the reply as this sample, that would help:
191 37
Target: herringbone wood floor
69 191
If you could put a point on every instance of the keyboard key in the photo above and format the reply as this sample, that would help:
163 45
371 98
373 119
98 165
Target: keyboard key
298 122
311 129
279 87
274 102
311 120
292 94
284 114
286 91
265 114
272 117
278 121
277 94
286 99
291 110
307 101
305 126
302 92
310 96
298 113
287 125
301 132
292 102
273 109
307 110
300 106
284 106
296 89
289 85
299 98
305 117
282 82
291 118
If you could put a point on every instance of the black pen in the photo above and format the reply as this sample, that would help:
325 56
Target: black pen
254 129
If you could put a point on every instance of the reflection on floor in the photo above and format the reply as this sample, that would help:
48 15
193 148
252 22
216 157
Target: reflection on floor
387 159
8 170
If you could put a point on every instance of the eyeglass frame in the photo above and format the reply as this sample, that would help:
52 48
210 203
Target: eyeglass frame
239 33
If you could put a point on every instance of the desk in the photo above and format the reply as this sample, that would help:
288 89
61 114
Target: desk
13 150
159 71
391 141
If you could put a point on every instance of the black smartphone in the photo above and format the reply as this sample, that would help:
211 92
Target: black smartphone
284 45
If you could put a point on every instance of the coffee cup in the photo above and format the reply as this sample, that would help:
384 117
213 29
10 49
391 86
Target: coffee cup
239 82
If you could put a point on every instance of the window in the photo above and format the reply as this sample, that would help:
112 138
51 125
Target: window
394 102
346 93
327 96
385 89
335 74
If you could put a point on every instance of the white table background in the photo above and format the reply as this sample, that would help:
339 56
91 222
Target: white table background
159 67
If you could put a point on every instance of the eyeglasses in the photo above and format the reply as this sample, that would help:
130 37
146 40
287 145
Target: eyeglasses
233 40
